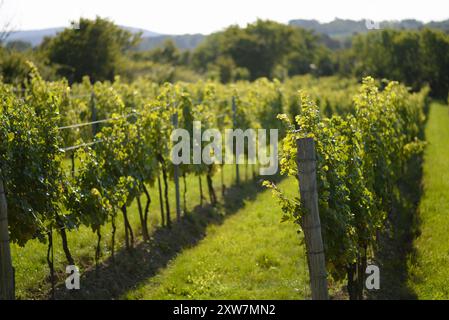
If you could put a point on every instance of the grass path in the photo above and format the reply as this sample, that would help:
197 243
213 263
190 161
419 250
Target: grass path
429 268
250 256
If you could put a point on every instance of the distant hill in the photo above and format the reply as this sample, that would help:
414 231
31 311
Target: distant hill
145 33
35 37
150 39
183 42
343 28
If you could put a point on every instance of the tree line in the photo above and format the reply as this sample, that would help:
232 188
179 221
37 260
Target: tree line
100 49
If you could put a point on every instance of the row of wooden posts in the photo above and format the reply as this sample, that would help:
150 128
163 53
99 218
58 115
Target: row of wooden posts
306 160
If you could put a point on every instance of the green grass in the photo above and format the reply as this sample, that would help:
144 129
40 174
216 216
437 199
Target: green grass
250 256
32 273
429 267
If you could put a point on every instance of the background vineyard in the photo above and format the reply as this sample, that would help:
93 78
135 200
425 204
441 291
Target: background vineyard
98 157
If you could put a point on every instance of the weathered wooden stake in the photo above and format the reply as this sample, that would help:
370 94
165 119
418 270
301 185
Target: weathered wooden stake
306 160
7 291
93 109
176 176
72 158
161 200
234 121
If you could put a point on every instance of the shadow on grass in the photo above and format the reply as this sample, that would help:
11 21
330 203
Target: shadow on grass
113 278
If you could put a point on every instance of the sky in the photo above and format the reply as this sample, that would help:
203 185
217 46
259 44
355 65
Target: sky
206 16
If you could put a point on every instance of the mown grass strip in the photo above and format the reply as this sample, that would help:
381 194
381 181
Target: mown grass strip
428 268
250 256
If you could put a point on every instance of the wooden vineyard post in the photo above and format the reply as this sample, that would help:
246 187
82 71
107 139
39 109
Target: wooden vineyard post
306 160
234 122
176 176
72 158
6 269
93 109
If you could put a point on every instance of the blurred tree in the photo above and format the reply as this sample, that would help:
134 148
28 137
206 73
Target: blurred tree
13 67
208 52
434 47
92 47
167 53
413 57
262 48
18 45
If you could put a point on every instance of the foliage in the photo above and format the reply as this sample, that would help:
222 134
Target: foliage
30 158
360 158
415 58
94 48
259 48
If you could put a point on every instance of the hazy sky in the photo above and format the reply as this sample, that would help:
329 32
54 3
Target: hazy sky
205 16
